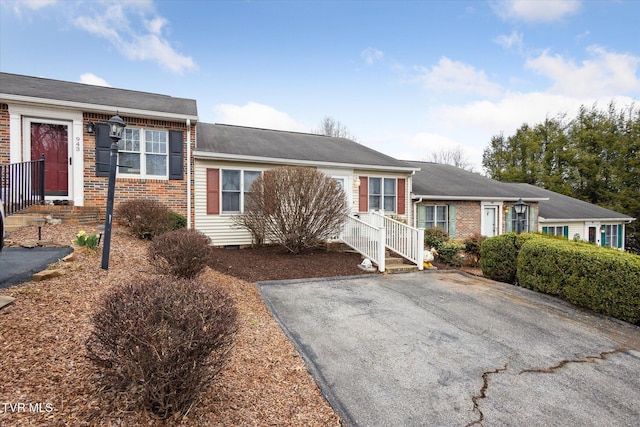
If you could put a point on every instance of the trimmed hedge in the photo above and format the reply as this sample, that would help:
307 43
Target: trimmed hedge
604 280
499 255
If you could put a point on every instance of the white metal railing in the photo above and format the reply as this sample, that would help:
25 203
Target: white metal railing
365 238
401 238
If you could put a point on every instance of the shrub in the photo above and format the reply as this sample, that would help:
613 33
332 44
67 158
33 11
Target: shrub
434 237
181 253
472 246
449 252
158 343
602 279
498 258
297 208
179 221
146 218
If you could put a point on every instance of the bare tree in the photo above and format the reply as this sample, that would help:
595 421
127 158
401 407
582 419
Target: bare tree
453 156
331 127
298 208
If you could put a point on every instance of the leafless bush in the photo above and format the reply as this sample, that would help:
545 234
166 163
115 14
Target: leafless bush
298 208
158 343
147 218
182 253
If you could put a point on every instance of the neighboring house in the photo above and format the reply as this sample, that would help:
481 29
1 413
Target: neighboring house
575 219
65 122
464 203
228 158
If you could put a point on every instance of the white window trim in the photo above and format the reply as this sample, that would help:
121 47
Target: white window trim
143 153
382 195
242 191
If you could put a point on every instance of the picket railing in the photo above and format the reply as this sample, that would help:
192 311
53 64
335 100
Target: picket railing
366 239
21 185
401 238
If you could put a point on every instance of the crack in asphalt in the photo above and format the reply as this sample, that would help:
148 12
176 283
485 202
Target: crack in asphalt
483 393
587 359
485 377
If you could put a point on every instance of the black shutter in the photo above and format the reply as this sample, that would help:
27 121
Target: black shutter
103 149
175 154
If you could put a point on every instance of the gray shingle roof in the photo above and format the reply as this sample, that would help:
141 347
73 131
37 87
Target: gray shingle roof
265 144
561 207
435 180
36 87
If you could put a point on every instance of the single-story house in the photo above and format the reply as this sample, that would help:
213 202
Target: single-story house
65 122
228 158
464 203
575 219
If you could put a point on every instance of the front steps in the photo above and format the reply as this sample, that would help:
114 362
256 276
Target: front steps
67 214
396 265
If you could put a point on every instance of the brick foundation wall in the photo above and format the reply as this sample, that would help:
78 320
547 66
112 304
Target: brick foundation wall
468 219
172 193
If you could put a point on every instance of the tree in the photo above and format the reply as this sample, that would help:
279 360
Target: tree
298 208
594 157
331 127
454 157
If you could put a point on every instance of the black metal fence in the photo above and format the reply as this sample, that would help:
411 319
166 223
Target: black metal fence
21 185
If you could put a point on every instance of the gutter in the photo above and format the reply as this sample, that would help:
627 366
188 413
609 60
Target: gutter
207 155
480 198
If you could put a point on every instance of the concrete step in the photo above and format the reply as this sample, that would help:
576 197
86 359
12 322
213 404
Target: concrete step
393 260
401 268
16 221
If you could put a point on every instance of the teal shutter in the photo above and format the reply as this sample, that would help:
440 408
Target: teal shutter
620 229
422 216
603 239
452 220
508 228
545 229
565 231
532 219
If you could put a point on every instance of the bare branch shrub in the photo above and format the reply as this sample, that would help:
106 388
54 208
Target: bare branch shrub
181 253
298 208
147 218
159 342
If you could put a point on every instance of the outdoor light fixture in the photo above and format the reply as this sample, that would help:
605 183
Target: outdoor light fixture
520 208
91 127
116 128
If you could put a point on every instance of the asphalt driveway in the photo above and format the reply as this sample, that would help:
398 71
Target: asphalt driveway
18 264
445 349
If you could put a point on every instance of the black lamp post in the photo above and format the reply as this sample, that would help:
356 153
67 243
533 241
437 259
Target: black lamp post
520 208
116 129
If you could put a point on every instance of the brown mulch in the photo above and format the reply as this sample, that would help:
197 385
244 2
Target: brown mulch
42 334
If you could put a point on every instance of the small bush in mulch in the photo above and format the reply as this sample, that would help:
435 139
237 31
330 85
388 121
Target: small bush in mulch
159 342
181 253
179 221
472 246
146 218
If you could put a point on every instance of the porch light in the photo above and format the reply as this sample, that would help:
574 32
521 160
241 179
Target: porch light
520 207
91 128
116 127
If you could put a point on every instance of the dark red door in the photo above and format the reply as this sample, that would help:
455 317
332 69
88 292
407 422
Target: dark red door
52 140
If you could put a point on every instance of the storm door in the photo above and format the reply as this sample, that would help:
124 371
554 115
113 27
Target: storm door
52 140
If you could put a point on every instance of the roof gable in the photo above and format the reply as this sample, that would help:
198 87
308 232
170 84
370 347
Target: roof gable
18 86
275 145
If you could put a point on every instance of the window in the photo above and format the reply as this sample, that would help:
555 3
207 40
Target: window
143 153
524 218
382 194
611 235
433 216
558 230
235 185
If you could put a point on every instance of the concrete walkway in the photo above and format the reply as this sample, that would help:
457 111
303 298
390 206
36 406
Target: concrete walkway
18 264
445 349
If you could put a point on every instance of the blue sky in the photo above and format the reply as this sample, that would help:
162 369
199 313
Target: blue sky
405 78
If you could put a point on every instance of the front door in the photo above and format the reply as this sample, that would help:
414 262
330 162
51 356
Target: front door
490 221
592 235
52 140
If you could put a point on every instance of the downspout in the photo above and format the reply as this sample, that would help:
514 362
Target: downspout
415 211
189 174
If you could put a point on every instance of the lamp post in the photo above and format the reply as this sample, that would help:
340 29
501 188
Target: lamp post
519 207
116 129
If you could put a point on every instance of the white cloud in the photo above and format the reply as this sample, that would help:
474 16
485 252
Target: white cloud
140 41
513 40
535 11
92 79
455 76
371 55
257 115
603 74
